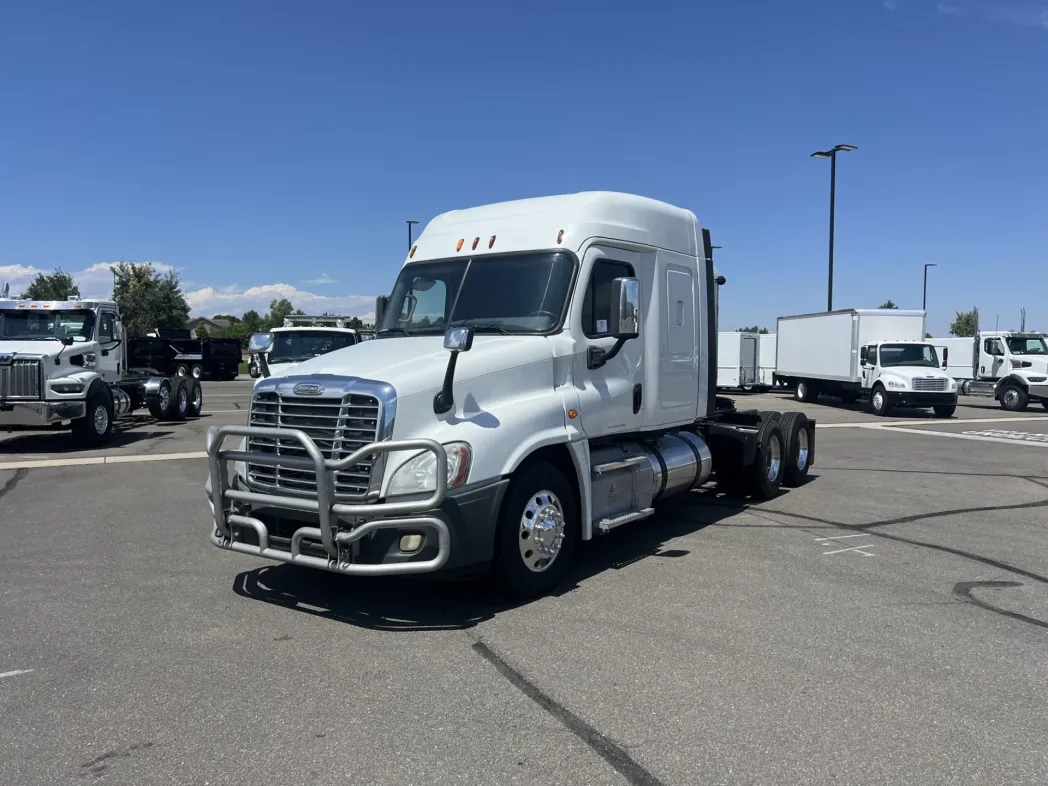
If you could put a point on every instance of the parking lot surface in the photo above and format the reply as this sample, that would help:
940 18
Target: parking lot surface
885 623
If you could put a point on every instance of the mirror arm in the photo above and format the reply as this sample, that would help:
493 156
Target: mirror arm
263 364
597 357
445 399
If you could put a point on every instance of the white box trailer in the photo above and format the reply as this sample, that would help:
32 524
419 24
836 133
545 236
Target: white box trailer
960 355
738 359
874 355
766 358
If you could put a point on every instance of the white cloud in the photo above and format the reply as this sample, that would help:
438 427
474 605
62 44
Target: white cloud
323 278
208 301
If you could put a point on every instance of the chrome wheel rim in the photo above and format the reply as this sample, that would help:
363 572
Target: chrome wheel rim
542 529
1011 398
197 373
165 397
878 401
101 419
802 390
802 448
773 462
183 401
198 399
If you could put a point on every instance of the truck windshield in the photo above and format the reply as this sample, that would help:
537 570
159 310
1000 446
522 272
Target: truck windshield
27 325
1027 346
909 355
296 346
515 293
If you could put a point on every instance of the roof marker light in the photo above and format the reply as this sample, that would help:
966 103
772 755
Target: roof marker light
476 240
458 246
411 253
560 237
491 242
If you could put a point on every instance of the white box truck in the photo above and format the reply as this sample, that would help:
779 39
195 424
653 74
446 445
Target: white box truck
544 372
871 355
738 359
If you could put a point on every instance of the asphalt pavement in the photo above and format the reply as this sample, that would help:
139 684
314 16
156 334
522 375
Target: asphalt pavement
885 623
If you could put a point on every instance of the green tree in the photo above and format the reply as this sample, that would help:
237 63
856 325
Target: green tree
148 299
251 321
888 304
203 332
965 324
52 286
279 310
754 329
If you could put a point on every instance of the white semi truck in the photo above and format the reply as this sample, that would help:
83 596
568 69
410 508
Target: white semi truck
544 372
66 363
301 338
872 355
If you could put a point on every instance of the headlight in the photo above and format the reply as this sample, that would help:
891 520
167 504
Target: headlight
418 475
67 387
893 384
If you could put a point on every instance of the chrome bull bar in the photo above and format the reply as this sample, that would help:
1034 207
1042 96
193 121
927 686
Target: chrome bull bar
384 515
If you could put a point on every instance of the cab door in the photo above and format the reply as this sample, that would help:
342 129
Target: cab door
868 365
610 395
110 354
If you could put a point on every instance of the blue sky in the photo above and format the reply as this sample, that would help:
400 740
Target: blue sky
265 148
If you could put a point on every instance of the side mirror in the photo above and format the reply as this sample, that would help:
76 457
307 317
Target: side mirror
458 339
625 308
381 303
260 342
945 356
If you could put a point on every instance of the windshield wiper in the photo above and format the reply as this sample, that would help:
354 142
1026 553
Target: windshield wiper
486 327
393 330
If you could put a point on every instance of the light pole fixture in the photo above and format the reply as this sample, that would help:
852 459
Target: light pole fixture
409 232
832 155
924 300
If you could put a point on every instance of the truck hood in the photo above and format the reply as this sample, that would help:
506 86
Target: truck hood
48 348
416 364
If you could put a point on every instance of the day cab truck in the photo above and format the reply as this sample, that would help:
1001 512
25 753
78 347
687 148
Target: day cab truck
876 356
544 372
1011 367
64 363
300 338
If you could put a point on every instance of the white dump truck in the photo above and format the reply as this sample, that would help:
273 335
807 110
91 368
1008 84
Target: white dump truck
301 338
544 372
65 363
871 355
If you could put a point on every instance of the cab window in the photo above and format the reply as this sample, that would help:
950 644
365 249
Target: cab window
596 305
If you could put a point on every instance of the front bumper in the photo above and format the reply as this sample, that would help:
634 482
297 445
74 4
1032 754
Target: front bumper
39 413
357 539
912 399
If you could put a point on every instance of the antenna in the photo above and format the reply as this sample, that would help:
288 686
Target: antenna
1022 320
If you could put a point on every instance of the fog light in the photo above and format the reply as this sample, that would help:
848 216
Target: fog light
410 543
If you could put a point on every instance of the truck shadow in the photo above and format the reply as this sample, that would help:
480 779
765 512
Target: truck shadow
62 443
428 604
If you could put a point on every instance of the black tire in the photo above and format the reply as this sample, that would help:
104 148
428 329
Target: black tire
1013 398
181 370
180 399
196 399
880 403
197 371
771 416
96 427
805 392
945 410
1044 403
532 487
764 476
797 449
161 403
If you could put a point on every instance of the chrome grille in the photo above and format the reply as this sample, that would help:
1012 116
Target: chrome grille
929 384
20 379
338 426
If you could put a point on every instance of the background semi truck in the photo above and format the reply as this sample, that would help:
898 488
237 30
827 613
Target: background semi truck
544 372
876 356
66 363
301 338
1009 366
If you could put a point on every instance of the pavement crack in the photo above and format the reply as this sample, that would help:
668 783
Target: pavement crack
611 752
13 481
962 591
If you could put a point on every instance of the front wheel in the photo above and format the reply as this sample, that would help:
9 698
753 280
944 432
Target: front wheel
1013 398
945 410
96 427
537 530
880 403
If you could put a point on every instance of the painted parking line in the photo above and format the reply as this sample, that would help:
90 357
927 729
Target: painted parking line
6 674
97 460
893 424
968 436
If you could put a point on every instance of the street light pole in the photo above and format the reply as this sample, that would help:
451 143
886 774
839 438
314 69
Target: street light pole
832 155
409 232
924 300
